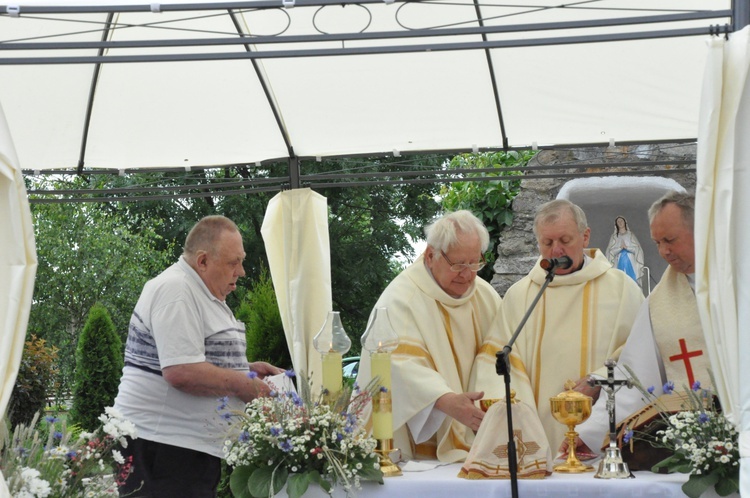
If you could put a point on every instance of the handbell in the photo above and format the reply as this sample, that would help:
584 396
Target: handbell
612 466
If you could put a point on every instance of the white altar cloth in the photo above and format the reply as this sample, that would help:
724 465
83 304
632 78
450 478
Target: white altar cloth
442 482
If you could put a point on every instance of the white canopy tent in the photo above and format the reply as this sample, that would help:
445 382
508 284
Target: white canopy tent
254 81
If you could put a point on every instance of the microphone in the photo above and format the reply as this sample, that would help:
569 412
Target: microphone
562 263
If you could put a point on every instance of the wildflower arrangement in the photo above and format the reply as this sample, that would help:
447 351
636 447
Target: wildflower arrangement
66 463
702 441
295 439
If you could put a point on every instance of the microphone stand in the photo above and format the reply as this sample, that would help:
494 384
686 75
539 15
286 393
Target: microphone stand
502 366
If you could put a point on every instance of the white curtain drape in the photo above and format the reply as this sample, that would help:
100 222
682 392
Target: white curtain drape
722 229
295 232
17 268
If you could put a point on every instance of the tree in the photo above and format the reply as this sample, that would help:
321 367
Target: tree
491 201
264 332
99 363
371 231
87 255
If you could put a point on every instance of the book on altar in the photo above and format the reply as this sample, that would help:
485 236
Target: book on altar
488 456
638 453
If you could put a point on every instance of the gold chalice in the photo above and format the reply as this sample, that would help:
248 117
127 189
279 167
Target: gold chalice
571 408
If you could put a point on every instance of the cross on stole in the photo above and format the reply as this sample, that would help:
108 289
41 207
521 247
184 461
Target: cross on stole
685 356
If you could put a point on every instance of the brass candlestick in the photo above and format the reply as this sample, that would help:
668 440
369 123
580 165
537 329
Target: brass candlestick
384 449
571 408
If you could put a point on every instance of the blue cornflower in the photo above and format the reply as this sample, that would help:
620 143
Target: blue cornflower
273 393
628 436
290 373
276 431
252 375
356 387
244 437
50 419
703 418
383 389
223 402
57 435
651 390
696 385
71 454
226 416
668 387
296 399
286 446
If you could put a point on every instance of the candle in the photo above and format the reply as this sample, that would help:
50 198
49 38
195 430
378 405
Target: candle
332 373
382 415
381 366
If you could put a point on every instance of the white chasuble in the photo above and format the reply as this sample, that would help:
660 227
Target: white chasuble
582 319
678 332
445 346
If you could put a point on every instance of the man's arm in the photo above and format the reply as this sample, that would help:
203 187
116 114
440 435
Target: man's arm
462 408
205 379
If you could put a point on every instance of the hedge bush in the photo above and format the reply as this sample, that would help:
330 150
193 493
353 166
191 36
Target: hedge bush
36 377
99 362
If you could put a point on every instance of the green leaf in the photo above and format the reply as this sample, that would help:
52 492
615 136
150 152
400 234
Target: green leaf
728 485
239 481
697 484
369 473
298 484
668 464
267 481
316 477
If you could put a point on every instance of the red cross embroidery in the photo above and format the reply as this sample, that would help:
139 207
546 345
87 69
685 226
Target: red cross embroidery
685 357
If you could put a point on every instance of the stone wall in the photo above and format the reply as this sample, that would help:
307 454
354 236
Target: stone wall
517 247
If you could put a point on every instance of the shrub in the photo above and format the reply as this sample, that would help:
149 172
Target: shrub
36 376
264 332
99 365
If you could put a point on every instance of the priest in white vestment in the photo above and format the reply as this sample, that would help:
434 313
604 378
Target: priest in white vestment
666 342
582 319
445 360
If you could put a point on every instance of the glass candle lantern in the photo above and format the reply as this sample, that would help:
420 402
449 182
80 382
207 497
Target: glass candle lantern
332 343
380 340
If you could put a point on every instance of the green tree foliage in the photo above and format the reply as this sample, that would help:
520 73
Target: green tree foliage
105 252
87 255
35 380
491 200
99 363
369 225
264 332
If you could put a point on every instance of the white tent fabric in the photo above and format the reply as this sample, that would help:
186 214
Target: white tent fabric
295 232
17 269
721 229
342 78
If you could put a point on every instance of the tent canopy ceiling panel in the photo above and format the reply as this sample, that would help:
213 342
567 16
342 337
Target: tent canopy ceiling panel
127 84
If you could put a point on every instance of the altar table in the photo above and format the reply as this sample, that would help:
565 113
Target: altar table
441 482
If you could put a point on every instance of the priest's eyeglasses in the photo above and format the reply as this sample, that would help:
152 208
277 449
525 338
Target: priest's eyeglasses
459 267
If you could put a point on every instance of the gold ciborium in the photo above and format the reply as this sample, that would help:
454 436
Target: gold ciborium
571 408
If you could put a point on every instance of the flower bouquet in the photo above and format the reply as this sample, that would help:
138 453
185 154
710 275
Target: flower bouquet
295 439
703 443
65 463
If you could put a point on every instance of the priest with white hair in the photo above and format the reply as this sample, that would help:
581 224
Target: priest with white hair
445 360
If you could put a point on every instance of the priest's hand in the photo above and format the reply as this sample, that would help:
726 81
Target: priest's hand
583 387
583 452
462 407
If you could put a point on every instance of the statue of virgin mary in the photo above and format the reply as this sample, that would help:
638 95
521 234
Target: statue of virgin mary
624 251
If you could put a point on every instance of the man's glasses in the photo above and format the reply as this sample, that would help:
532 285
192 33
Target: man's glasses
459 267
